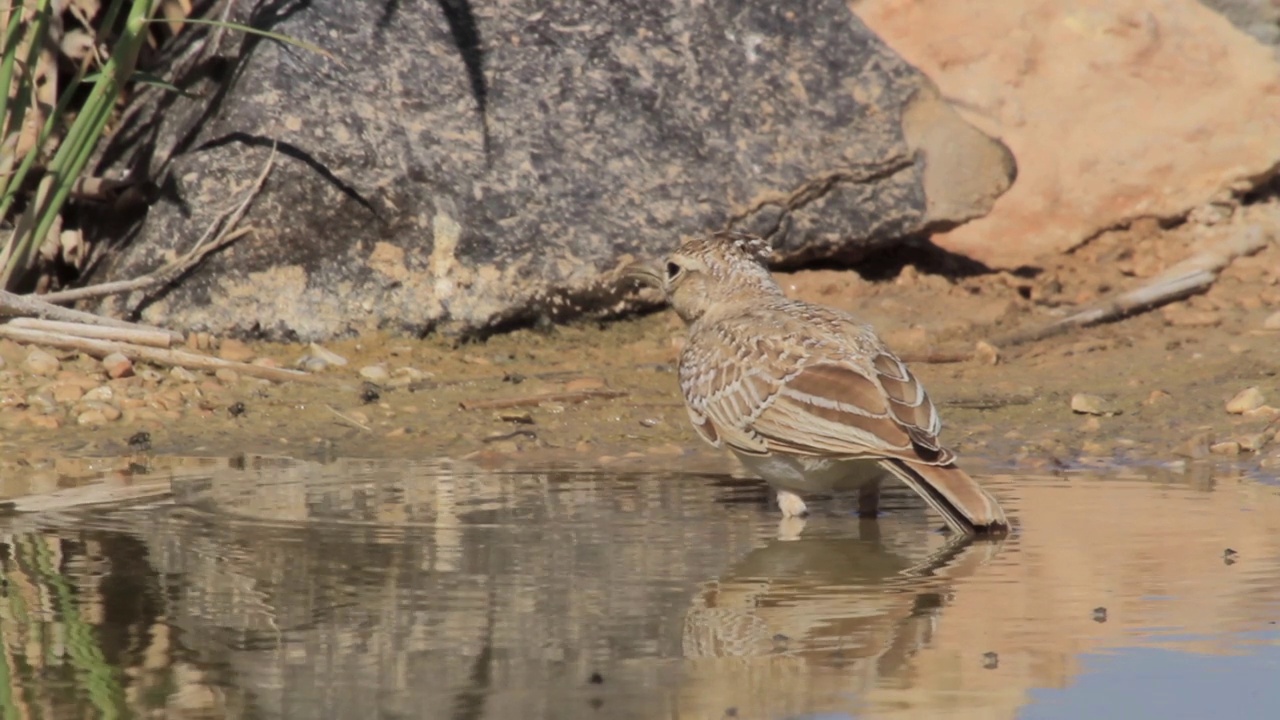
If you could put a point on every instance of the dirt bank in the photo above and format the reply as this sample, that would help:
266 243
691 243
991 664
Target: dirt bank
1161 379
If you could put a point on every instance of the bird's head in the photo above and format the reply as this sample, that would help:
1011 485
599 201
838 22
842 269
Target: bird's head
711 271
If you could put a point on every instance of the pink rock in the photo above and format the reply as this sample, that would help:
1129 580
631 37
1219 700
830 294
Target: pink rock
1114 109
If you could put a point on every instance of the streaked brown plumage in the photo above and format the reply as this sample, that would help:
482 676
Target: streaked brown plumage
805 395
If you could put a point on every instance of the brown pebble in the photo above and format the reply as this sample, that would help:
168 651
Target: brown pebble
91 418
66 393
1246 400
226 375
117 365
1272 322
1230 447
39 362
986 353
1157 396
1087 404
235 350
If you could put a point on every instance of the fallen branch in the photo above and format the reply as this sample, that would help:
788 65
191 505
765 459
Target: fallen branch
530 400
161 276
191 361
137 336
32 306
1189 277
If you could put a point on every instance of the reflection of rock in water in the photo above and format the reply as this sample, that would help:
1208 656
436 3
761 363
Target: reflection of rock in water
436 589
803 625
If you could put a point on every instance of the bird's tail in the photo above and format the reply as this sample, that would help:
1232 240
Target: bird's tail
965 505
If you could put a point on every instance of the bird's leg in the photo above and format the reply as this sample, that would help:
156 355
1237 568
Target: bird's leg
790 504
869 499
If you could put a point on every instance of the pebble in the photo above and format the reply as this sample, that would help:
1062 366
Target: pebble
318 357
1230 447
1272 322
986 353
67 393
182 375
1254 442
1087 404
117 366
235 351
226 375
91 417
39 362
1247 399
375 373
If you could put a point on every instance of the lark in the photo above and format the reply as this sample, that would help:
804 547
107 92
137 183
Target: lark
806 396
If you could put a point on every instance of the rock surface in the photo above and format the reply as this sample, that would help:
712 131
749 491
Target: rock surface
1114 109
468 166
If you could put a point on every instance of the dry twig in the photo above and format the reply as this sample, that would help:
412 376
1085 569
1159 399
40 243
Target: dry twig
1193 275
135 335
191 361
530 400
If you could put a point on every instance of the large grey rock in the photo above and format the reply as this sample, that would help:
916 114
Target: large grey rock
476 164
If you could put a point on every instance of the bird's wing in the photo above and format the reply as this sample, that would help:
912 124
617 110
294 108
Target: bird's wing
819 400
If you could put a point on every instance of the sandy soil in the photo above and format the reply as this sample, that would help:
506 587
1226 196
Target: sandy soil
1162 378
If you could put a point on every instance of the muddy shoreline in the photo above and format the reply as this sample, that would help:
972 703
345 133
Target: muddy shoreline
1158 382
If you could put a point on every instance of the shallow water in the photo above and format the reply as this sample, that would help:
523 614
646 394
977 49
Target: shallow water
269 588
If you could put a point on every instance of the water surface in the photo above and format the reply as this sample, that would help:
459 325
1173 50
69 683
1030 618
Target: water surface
270 588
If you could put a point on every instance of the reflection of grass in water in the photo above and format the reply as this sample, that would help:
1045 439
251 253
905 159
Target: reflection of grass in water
100 681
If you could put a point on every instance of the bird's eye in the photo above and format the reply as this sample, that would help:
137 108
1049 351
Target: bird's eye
673 270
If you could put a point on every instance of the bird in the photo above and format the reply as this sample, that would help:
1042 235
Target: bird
806 396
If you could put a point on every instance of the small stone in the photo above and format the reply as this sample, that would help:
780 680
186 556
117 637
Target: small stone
318 357
519 418
140 441
117 366
375 374
1254 442
1247 399
1229 447
650 422
1157 396
1099 614
182 375
1272 322
990 661
398 432
235 350
91 418
39 362
1091 425
227 376
986 353
1087 404
67 393
102 393
412 373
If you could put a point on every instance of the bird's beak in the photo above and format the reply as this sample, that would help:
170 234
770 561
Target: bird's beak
644 273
